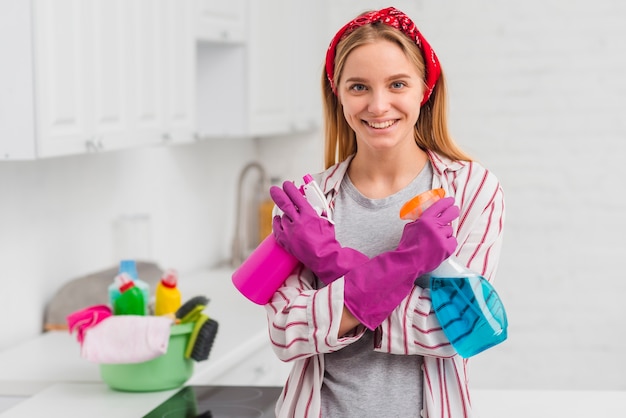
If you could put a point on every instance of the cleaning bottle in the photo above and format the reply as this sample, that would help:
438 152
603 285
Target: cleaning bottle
263 272
467 306
131 300
130 268
265 217
167 295
265 212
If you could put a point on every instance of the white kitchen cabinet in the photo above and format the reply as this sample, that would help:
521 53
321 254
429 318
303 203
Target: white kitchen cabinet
144 79
104 75
62 103
221 21
270 51
179 71
270 84
306 61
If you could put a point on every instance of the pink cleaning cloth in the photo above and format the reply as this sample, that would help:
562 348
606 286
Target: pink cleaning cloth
127 339
80 321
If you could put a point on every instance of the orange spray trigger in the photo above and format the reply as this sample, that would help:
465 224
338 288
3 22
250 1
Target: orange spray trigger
414 208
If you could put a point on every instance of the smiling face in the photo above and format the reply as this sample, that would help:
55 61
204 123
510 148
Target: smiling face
380 91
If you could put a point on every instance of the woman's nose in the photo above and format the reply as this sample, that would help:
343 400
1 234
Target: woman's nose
379 102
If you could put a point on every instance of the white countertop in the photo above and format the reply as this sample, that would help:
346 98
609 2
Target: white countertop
96 400
92 400
54 357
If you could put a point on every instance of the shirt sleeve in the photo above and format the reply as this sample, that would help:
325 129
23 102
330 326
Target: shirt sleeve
304 321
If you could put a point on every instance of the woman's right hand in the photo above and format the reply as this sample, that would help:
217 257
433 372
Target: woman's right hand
373 290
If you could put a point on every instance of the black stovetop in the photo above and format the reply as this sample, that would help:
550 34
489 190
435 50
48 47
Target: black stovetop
219 402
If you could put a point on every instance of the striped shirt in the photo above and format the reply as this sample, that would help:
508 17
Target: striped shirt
304 321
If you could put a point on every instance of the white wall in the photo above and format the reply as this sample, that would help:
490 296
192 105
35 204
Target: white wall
536 93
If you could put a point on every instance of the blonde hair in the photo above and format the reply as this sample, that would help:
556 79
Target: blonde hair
431 129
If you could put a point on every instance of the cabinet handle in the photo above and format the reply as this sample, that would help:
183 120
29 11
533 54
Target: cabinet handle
94 144
91 145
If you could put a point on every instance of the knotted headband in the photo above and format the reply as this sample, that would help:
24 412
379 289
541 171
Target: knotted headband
394 18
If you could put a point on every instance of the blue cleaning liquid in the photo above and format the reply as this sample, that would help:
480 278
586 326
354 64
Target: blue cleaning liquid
468 308
470 313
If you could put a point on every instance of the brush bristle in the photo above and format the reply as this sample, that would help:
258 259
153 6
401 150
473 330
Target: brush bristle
204 340
190 305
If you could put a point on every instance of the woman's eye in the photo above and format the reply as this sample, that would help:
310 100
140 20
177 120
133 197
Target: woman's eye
358 87
397 84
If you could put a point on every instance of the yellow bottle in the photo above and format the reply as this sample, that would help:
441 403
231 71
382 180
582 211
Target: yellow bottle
265 218
167 297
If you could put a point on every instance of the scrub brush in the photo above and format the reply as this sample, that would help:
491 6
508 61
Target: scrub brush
204 330
190 310
202 338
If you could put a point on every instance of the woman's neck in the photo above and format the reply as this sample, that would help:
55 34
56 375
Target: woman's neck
378 175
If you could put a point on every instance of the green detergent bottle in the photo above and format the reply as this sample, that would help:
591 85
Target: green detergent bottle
131 300
130 268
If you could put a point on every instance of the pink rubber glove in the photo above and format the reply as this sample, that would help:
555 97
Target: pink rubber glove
309 237
84 319
374 289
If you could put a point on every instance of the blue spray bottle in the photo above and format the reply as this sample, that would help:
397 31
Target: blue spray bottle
467 306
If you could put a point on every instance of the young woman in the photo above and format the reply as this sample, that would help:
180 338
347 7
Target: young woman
363 338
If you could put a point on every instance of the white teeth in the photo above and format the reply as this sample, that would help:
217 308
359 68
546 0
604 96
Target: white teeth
381 125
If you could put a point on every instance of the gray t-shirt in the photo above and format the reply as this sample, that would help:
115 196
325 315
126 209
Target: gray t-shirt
359 382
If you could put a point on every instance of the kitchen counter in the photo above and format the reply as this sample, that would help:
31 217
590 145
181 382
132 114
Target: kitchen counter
53 357
96 400
549 403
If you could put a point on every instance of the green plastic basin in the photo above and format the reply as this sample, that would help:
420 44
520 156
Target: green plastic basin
168 371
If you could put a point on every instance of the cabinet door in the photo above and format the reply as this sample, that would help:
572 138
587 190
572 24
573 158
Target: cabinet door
17 98
269 67
221 21
307 27
145 78
179 68
109 55
61 41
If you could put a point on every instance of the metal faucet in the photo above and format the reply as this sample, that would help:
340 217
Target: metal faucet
240 241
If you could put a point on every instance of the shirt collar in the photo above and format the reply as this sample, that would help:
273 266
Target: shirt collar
331 178
441 163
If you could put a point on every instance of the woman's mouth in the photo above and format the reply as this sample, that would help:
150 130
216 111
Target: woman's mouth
380 125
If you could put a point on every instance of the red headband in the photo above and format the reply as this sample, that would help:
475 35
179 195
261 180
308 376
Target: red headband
394 18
